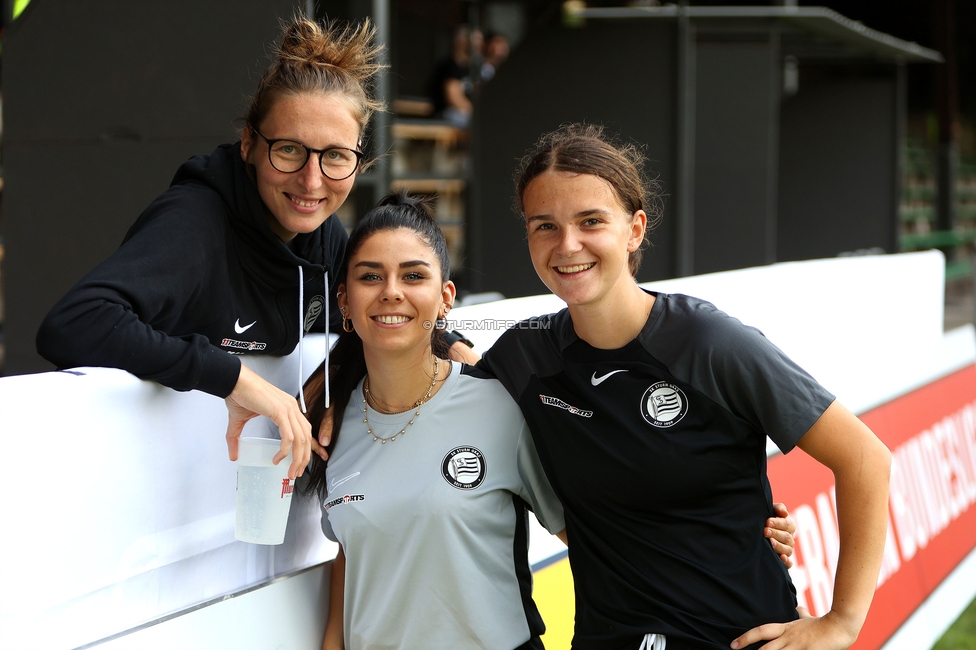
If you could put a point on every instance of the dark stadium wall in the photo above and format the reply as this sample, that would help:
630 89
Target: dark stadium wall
618 75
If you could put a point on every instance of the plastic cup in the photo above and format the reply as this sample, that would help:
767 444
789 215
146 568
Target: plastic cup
263 492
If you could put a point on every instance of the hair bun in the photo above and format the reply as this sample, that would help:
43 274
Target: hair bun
313 57
306 43
422 203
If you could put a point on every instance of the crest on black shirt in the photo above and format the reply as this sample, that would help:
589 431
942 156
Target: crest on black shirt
464 468
664 404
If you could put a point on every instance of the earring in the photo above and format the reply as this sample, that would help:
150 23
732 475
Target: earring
347 325
441 323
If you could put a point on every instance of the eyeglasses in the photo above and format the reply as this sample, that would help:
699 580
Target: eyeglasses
288 156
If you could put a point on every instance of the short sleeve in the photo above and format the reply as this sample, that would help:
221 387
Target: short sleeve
766 387
738 368
536 489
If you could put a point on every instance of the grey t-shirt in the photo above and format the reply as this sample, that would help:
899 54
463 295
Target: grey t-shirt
434 524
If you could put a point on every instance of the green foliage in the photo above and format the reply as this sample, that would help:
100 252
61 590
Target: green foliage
962 634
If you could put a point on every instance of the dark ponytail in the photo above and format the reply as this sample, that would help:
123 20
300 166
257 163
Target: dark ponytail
348 367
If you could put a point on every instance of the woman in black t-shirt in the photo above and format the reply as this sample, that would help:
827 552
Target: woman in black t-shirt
650 413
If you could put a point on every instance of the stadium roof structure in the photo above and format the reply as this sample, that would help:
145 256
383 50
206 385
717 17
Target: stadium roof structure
816 32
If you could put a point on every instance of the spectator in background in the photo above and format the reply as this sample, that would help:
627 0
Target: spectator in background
496 52
453 85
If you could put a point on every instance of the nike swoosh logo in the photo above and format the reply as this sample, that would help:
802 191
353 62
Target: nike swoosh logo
337 483
241 330
596 381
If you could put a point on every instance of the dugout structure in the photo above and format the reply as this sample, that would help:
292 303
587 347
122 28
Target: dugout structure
776 132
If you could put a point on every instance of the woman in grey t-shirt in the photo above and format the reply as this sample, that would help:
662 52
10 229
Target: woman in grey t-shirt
429 483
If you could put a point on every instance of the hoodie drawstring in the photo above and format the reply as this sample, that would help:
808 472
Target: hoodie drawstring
328 322
653 642
301 338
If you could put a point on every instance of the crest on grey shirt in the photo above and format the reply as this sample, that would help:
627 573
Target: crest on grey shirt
464 468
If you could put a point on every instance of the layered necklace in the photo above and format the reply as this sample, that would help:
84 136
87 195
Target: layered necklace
371 400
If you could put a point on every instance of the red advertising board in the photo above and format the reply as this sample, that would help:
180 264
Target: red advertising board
932 525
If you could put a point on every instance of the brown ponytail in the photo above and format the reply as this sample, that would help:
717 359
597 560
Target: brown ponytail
588 149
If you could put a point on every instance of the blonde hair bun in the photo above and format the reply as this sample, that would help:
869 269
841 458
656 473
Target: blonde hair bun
313 57
349 48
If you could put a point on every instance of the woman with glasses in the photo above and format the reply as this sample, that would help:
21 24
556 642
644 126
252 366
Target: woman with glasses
240 253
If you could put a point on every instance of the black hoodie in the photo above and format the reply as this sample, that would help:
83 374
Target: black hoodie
200 274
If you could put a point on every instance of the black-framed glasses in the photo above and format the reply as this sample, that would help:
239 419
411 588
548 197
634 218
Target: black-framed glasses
289 156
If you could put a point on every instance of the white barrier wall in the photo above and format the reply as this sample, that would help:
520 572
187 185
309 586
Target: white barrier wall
118 504
848 321
118 497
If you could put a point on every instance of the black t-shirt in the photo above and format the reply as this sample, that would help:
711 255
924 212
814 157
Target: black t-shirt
657 452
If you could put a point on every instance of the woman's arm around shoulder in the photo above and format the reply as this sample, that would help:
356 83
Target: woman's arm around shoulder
779 531
861 464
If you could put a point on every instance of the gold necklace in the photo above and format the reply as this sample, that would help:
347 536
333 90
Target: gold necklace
420 402
382 407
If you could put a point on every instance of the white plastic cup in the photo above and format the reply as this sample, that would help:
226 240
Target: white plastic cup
263 492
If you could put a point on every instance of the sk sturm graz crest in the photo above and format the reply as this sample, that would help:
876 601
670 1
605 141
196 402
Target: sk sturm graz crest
663 405
464 468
